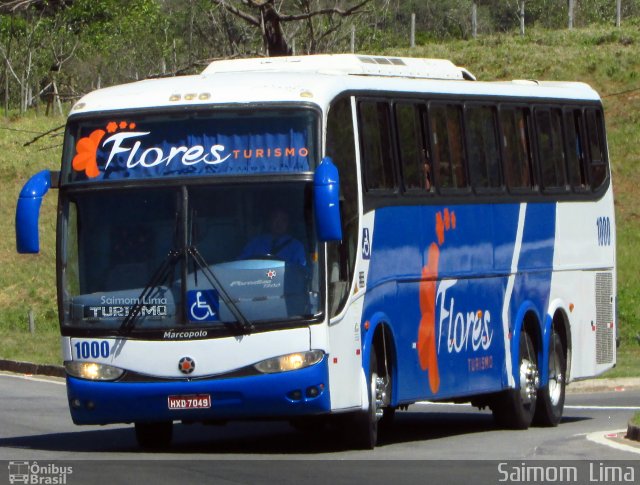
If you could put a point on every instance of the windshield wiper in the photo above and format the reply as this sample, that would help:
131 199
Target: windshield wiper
244 325
162 273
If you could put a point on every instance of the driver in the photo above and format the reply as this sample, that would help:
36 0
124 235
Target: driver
277 243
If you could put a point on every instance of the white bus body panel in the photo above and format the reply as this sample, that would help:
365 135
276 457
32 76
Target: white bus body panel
212 356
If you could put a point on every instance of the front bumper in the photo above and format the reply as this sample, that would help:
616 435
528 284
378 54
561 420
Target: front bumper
258 396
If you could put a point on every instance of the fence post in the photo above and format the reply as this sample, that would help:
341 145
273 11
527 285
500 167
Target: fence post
618 12
571 5
413 30
522 18
474 20
32 323
6 89
353 39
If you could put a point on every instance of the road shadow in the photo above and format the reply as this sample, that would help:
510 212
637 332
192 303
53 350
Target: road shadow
265 437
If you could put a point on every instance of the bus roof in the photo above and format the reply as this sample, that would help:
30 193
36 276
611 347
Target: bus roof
316 79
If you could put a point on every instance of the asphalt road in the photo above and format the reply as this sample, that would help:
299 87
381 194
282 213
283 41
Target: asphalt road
35 426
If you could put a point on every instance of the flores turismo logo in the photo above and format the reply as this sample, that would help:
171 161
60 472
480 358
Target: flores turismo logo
27 472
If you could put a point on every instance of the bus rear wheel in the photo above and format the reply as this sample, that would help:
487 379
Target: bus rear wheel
154 436
515 408
551 397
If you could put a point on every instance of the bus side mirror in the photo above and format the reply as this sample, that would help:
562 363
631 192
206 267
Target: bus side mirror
326 185
28 211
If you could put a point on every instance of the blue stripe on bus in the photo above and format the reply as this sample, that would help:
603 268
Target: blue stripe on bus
535 268
475 260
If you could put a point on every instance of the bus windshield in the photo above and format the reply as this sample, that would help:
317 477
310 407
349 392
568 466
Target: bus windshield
200 256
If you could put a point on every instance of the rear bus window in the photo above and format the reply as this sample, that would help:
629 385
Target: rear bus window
597 161
574 129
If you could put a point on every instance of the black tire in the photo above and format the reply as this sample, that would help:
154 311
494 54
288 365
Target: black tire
388 416
551 397
515 408
154 436
365 423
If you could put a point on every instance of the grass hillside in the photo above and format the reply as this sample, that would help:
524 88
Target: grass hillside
608 59
27 282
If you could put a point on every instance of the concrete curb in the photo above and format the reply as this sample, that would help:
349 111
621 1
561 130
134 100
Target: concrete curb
30 368
604 385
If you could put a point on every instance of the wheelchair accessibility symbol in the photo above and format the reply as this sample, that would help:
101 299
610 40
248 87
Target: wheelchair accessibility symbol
203 305
366 244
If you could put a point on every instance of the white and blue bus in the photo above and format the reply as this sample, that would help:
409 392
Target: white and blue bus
438 238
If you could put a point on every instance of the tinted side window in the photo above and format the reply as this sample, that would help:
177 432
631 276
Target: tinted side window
574 130
597 147
341 256
483 149
341 148
550 147
416 169
516 147
375 132
445 121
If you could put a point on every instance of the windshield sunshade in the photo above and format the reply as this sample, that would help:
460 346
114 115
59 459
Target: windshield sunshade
221 143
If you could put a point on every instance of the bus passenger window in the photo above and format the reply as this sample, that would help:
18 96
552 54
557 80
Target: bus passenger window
597 161
516 147
376 145
414 158
448 149
483 150
574 130
550 147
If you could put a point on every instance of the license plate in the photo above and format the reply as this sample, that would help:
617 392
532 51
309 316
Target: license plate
195 401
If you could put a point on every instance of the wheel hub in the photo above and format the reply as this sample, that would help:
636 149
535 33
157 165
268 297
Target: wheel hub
380 396
555 388
529 381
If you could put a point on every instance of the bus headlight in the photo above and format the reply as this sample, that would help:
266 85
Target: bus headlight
93 371
288 362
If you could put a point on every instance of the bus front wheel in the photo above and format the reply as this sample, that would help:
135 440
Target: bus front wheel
154 436
365 423
515 408
551 397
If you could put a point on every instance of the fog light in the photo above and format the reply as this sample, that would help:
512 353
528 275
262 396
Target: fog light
312 391
295 395
76 403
